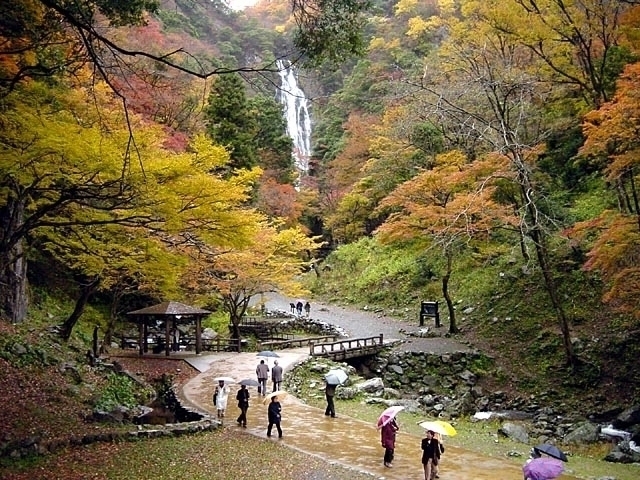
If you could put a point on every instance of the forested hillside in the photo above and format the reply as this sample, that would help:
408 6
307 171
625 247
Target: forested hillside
482 154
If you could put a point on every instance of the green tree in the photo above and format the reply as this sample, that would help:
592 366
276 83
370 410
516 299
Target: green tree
274 146
229 120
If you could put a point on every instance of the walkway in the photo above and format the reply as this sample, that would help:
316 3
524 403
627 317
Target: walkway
358 323
342 440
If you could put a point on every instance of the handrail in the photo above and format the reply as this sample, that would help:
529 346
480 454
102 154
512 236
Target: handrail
346 345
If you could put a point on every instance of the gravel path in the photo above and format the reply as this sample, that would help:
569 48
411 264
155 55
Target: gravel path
359 323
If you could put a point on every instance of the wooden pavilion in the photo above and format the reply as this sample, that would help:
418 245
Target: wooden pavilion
173 314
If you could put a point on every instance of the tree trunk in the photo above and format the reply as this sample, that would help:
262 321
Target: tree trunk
542 254
113 316
14 300
81 303
453 328
235 326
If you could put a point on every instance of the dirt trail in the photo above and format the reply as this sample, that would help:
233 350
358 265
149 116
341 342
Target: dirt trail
342 440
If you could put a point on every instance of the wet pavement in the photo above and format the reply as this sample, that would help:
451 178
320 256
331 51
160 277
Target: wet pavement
342 440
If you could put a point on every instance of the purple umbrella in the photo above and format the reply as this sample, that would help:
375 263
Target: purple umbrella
544 468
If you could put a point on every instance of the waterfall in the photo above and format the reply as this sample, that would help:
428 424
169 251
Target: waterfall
296 114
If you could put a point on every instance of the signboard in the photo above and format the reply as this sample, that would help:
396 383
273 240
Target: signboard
429 310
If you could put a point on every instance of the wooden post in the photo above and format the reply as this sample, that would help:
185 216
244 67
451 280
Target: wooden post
142 340
198 335
381 339
167 337
145 334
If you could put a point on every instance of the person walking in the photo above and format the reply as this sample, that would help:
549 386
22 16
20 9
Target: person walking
388 439
220 397
307 309
439 452
276 376
262 372
430 450
243 404
274 412
329 392
299 308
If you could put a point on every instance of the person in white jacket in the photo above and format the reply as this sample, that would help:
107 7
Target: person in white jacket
220 397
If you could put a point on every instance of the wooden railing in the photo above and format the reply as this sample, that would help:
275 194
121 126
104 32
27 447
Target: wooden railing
188 343
348 348
295 342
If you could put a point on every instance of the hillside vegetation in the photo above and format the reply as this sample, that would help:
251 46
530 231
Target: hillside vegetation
504 312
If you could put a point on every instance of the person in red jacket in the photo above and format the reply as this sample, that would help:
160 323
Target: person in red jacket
388 437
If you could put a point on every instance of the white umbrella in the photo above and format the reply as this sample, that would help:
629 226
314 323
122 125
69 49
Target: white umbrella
280 394
336 377
224 379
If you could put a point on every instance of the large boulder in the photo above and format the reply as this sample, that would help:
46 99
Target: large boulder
585 432
514 431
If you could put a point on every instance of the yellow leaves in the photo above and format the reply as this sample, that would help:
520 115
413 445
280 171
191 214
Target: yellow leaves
273 259
377 43
405 6
417 26
206 155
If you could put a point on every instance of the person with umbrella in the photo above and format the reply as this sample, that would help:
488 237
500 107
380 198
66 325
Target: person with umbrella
262 372
430 454
220 397
388 438
332 379
243 404
274 414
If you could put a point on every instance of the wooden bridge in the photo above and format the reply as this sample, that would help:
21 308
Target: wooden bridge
349 348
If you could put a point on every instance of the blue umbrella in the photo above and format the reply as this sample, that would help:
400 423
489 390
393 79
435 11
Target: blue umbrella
543 468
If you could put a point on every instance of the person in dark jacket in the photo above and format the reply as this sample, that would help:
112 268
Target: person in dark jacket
388 438
243 404
330 391
274 414
430 454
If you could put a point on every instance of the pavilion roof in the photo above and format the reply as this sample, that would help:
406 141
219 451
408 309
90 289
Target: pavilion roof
170 309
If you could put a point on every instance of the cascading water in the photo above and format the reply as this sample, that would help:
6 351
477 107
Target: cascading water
296 114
